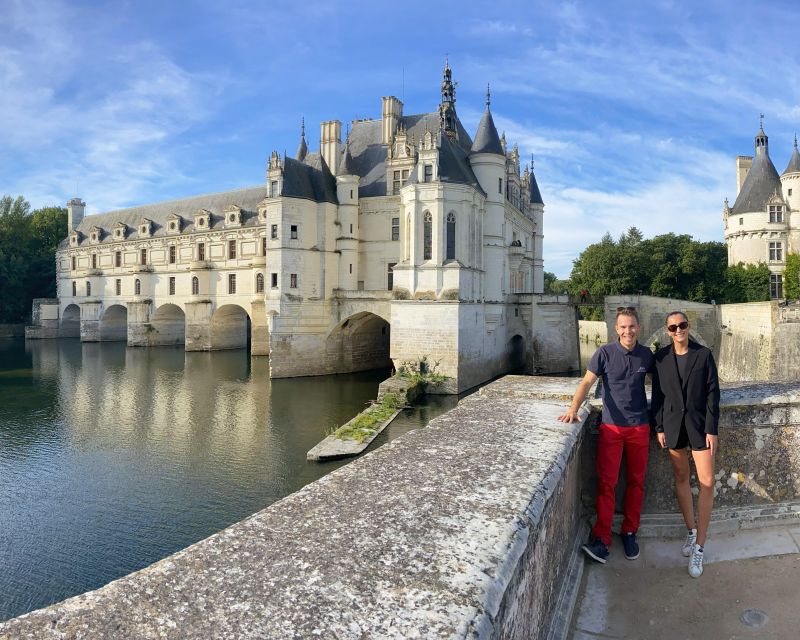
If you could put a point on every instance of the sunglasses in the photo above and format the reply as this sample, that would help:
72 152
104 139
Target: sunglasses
672 328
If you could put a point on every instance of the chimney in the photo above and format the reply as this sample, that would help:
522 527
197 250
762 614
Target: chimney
391 112
743 164
330 135
75 211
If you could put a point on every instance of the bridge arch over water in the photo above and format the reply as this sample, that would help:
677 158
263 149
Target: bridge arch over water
70 326
230 328
114 324
168 325
359 343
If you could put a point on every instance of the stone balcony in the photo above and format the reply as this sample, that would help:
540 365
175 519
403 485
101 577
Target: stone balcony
199 265
258 261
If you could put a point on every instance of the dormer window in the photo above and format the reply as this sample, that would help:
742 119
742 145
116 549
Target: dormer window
95 235
233 216
274 189
174 223
74 238
145 228
428 177
120 231
776 213
202 219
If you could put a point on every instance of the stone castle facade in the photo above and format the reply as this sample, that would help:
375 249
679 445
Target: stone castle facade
406 238
764 223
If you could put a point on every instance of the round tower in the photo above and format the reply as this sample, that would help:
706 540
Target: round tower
347 236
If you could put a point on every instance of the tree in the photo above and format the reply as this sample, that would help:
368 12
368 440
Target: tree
791 277
28 241
747 283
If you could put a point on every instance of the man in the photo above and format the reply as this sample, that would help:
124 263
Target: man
625 427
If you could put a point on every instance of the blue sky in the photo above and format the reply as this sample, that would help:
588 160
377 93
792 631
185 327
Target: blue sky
634 112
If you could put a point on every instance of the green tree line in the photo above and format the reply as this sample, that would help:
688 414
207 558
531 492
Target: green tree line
669 266
28 241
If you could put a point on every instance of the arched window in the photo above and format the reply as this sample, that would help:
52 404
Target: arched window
427 236
74 289
88 288
137 287
451 236
195 286
259 283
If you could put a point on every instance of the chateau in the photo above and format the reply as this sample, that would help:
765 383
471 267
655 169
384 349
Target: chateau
764 223
406 238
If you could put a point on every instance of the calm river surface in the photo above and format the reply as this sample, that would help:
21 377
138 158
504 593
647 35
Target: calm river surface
112 457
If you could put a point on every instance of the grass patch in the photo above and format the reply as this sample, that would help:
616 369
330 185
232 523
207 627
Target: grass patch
366 423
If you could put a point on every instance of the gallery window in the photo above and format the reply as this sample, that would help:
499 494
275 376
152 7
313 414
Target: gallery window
201 251
259 283
172 285
427 236
137 287
118 259
395 228
231 249
173 254
118 287
88 288
273 233
74 289
74 263
263 246
293 280
451 236
274 280
390 276
94 261
231 283
143 256
195 286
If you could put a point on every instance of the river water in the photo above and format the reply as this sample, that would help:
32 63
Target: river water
112 457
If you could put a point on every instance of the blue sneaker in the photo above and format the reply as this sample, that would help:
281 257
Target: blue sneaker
596 550
631 546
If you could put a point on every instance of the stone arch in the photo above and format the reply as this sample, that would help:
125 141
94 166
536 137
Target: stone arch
70 322
114 324
230 328
168 325
359 343
516 354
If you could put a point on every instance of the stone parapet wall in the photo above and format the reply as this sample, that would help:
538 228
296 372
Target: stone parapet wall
457 530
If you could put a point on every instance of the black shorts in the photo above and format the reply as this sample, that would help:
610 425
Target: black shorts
683 440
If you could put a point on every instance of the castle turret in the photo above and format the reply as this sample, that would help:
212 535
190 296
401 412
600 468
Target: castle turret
348 232
447 107
790 180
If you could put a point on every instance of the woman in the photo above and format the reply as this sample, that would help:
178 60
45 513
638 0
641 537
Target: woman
686 414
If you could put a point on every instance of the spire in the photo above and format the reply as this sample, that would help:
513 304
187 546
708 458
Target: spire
794 161
347 167
447 108
762 141
486 138
488 96
536 196
302 149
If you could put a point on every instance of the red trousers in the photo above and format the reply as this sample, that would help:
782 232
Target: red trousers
635 441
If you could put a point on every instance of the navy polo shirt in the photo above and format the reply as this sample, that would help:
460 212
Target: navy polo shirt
623 372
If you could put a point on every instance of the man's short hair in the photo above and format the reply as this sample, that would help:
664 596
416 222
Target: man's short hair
627 311
675 313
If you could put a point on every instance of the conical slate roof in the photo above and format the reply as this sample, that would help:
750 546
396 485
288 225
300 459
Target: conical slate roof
794 161
536 196
486 139
761 183
302 150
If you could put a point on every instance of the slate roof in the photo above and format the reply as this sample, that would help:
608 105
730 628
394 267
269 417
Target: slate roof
486 139
247 199
761 183
794 162
368 153
536 196
310 179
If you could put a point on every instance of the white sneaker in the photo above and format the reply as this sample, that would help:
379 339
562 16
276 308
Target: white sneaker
696 562
691 538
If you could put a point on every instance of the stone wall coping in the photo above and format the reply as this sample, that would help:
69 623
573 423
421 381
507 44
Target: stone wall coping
418 539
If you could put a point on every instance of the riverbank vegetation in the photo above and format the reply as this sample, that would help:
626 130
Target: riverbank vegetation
366 423
667 266
28 241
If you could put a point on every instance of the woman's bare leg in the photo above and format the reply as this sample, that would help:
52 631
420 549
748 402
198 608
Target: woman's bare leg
683 490
704 463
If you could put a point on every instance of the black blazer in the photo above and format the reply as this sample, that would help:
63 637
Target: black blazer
696 401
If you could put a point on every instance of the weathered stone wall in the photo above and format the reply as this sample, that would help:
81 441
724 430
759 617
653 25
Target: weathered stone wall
12 330
456 530
593 331
746 341
785 359
555 337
